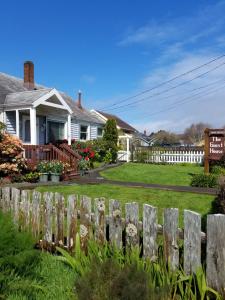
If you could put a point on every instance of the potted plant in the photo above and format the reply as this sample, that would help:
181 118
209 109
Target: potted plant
83 166
43 169
56 170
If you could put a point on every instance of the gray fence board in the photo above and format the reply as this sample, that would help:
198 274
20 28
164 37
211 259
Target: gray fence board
149 231
192 241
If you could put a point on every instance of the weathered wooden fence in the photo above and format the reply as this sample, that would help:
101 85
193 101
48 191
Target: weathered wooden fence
54 220
170 155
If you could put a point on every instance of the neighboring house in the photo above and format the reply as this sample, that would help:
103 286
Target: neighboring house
127 133
39 115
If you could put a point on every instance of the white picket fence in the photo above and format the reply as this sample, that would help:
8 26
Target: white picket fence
170 156
123 155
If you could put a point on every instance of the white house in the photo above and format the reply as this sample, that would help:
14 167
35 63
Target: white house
127 133
39 115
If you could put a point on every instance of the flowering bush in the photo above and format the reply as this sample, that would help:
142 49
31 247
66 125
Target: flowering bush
11 154
84 165
43 167
56 167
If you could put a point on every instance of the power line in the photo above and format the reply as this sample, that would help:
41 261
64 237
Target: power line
183 101
173 95
171 88
165 82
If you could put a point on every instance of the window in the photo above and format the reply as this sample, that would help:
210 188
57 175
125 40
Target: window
83 132
100 132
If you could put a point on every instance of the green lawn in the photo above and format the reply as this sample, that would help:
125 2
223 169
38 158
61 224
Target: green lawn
149 173
158 198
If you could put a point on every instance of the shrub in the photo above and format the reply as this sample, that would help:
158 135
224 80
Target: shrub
108 157
56 167
31 177
43 167
11 154
16 178
216 169
204 180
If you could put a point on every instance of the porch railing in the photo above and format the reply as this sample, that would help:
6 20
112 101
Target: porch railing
36 153
73 156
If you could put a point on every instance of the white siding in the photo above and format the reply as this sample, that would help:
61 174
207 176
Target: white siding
11 122
93 132
75 131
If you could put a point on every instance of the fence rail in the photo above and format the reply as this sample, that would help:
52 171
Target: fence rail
54 220
169 155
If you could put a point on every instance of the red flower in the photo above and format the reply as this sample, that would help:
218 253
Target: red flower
92 154
86 158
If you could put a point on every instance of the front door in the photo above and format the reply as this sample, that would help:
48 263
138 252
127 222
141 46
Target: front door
55 131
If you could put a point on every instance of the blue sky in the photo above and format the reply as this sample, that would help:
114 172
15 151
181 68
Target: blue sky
112 50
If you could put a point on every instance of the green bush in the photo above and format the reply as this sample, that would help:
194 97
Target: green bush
204 180
31 177
43 167
219 170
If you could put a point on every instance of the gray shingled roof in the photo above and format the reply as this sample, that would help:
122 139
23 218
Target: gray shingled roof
12 92
122 124
24 98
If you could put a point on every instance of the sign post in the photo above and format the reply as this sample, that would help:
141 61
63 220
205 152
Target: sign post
214 146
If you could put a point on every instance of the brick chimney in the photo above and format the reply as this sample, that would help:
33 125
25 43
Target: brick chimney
79 100
29 75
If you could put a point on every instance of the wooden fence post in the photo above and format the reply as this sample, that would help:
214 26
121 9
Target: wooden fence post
59 202
215 261
47 217
132 218
5 200
71 220
25 209
85 221
100 220
115 223
149 231
15 199
35 216
192 241
170 234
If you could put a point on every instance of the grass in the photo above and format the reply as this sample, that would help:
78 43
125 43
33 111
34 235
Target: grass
158 198
57 281
149 173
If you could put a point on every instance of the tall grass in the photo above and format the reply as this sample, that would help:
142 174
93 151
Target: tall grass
109 273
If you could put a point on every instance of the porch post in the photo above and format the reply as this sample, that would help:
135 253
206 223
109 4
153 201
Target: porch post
128 149
33 126
69 129
17 123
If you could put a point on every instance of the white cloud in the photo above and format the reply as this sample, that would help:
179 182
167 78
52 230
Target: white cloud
155 113
204 23
182 44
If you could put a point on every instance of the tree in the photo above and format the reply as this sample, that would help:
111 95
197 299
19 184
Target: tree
195 133
110 136
110 131
163 137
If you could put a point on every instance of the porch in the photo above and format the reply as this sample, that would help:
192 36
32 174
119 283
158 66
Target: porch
44 121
